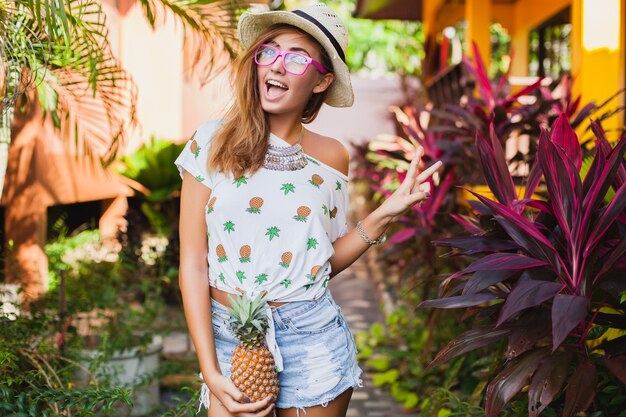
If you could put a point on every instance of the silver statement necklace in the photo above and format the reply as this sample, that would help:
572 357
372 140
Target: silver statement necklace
285 158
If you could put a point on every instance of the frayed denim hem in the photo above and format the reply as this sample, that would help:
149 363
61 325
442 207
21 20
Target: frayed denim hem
325 400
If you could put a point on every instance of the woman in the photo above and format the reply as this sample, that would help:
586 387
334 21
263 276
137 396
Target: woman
271 196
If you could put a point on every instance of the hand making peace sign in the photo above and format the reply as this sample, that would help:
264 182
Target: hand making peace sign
413 189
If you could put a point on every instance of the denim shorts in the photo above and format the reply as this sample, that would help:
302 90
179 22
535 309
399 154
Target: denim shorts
318 350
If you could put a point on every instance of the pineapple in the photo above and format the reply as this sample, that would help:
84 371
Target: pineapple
252 364
302 214
333 213
209 208
316 180
314 272
285 259
255 205
194 148
245 251
221 253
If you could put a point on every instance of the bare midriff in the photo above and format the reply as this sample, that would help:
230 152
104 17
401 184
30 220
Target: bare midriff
222 298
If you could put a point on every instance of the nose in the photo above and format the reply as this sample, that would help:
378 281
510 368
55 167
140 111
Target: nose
278 65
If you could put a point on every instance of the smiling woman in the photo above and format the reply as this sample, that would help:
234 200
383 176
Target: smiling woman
265 201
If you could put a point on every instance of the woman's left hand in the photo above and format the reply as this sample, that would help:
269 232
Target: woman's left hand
413 189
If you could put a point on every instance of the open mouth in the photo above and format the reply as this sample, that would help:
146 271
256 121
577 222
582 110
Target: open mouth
275 88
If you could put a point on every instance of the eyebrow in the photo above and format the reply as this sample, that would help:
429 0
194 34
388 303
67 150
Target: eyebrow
292 49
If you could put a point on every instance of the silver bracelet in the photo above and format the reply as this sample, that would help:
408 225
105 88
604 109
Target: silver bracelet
381 239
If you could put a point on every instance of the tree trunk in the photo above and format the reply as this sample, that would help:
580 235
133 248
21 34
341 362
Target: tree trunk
5 140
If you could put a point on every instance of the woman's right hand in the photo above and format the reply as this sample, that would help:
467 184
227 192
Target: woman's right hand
234 400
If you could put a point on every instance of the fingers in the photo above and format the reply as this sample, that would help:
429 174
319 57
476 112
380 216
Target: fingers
410 175
256 409
428 171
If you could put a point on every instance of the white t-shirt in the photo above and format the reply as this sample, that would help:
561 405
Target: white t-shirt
272 230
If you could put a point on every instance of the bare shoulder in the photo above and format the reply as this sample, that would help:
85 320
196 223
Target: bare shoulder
327 150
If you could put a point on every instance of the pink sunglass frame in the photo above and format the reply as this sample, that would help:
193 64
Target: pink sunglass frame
281 53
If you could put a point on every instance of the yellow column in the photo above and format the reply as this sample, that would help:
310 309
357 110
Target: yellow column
478 16
597 60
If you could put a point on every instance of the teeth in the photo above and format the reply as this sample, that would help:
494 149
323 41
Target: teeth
276 84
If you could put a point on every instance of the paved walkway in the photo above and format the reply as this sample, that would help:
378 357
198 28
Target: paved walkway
354 290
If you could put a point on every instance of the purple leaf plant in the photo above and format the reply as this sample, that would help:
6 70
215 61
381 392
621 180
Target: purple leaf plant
546 271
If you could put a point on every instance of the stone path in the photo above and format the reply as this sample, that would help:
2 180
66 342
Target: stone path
354 290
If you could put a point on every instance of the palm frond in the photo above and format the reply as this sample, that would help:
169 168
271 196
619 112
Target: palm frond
91 99
209 26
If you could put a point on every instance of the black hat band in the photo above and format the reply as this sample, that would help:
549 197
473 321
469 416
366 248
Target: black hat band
329 35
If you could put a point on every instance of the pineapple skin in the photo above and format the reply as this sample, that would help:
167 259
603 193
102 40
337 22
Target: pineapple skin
253 369
253 372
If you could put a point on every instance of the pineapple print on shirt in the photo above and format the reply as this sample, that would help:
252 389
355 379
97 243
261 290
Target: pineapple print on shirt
285 259
195 148
210 206
316 180
255 205
302 214
269 231
245 253
221 253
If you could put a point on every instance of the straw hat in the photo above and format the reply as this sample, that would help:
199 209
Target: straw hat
320 22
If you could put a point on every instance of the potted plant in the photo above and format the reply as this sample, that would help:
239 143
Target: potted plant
110 309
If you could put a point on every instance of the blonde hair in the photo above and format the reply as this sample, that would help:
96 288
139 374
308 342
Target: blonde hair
240 143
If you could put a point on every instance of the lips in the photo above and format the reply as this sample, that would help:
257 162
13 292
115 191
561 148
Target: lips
275 88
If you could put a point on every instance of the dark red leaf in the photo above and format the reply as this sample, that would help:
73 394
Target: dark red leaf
469 224
616 253
477 244
402 235
603 143
615 207
483 279
479 72
504 261
581 388
523 232
495 168
563 183
511 380
602 181
534 177
527 294
567 312
458 301
564 136
617 366
547 382
523 92
468 341
531 327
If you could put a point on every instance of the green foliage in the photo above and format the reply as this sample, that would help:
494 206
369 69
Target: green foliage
399 351
157 181
64 245
36 374
381 47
